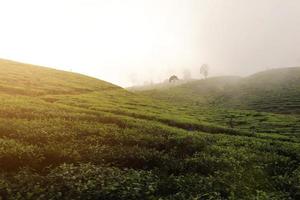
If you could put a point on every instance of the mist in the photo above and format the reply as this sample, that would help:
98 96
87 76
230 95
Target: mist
133 42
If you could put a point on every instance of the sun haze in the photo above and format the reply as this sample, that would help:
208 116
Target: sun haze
128 42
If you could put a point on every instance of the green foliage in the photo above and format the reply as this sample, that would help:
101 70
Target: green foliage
276 91
67 136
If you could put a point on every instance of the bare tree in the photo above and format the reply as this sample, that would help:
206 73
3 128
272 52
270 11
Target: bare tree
204 70
187 74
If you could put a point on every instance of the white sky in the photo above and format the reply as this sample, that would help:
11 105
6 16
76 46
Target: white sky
132 41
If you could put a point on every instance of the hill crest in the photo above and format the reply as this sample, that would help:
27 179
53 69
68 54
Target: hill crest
36 80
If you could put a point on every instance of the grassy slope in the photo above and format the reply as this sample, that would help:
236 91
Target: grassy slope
276 91
89 139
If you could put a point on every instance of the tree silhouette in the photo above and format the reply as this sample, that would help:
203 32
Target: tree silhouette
187 74
173 79
204 70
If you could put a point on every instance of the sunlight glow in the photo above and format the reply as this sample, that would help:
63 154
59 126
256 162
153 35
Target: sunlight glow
131 41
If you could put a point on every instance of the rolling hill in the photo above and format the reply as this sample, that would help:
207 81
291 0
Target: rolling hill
68 136
276 91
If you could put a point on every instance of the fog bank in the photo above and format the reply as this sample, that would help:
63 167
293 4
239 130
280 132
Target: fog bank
129 42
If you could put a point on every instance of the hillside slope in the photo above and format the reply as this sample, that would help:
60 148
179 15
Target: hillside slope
68 136
25 79
276 91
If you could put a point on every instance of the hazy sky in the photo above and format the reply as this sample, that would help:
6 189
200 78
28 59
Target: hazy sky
132 41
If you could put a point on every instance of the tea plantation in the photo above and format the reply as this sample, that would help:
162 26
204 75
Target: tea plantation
69 136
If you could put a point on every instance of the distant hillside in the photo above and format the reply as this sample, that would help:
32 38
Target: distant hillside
162 85
276 90
197 91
